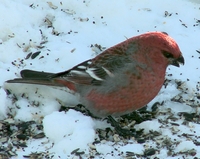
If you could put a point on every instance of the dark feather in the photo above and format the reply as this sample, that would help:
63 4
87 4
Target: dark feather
30 74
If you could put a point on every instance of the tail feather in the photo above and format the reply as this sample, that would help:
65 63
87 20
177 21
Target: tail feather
30 74
43 78
36 77
36 81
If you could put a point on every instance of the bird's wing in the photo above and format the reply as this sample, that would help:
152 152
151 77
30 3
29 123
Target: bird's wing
103 66
95 71
91 72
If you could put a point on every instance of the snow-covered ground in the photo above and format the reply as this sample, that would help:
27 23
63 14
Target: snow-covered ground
55 35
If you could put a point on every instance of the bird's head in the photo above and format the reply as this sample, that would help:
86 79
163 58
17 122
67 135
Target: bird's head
163 49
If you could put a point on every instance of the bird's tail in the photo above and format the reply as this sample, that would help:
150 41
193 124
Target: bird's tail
36 77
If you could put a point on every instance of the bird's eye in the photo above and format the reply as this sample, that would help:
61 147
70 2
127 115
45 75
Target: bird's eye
167 54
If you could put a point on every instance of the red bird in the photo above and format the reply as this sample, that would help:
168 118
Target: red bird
121 79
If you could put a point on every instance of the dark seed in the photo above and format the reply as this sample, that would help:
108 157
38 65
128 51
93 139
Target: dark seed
22 145
41 57
140 141
28 56
39 136
150 152
80 153
175 124
155 106
34 55
75 151
198 51
13 63
22 137
197 143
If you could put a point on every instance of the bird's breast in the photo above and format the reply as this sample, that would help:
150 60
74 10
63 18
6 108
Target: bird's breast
124 95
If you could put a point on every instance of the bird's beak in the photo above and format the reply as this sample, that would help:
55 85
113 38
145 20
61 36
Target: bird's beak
178 61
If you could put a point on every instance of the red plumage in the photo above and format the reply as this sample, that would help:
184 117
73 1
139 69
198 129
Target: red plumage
122 79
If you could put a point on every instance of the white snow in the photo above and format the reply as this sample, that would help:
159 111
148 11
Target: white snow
148 126
65 128
185 145
64 31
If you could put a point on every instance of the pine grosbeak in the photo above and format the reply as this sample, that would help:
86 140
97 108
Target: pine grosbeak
120 80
